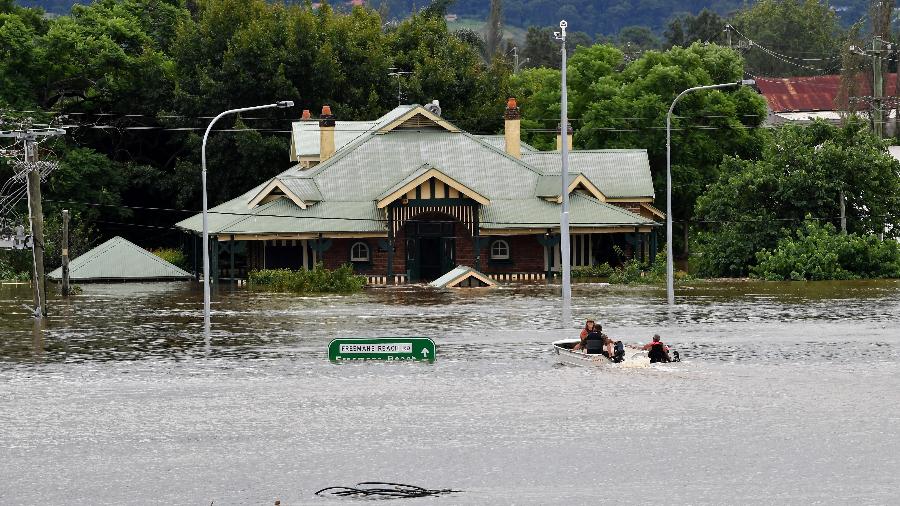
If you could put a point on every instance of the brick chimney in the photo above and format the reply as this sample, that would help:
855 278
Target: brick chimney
511 129
326 133
569 133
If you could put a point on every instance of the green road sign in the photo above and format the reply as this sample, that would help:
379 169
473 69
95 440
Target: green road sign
381 348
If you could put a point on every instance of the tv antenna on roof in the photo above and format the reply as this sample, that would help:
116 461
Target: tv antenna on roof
395 72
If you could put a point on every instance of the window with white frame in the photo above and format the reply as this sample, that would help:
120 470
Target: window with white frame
499 250
359 252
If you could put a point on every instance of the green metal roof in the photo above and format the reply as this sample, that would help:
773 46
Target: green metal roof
282 216
305 135
375 162
343 190
303 187
618 173
584 211
119 259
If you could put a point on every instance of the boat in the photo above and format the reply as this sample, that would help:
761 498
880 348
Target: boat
632 357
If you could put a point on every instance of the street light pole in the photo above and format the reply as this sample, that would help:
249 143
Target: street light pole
564 246
206 297
670 265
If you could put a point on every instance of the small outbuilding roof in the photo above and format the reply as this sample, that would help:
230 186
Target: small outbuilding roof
122 260
463 277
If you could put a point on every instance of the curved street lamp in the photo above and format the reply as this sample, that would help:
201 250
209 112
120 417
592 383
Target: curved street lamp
206 298
670 269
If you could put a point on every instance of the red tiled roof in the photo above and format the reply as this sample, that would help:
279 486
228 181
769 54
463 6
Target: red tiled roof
814 93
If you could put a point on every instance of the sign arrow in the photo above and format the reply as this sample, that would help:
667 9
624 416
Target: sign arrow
424 352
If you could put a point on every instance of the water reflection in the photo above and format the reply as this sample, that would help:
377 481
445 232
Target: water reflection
724 321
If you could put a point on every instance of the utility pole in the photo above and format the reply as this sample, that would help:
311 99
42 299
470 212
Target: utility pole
33 170
728 34
65 253
877 100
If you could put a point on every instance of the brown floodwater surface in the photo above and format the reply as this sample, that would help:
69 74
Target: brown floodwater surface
788 393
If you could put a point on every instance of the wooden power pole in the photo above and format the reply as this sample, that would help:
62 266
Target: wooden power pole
33 172
36 216
65 253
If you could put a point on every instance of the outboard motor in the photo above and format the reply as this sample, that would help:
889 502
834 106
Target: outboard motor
619 352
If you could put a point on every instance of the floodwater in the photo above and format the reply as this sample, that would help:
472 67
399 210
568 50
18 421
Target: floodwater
788 394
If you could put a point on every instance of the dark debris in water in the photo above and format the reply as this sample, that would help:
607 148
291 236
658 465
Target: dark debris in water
383 490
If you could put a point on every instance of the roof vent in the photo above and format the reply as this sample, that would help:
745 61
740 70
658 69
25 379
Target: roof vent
434 108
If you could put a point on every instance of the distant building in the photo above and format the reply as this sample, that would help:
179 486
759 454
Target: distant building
409 196
801 100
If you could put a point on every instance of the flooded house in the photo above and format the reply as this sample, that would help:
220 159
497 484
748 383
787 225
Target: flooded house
409 196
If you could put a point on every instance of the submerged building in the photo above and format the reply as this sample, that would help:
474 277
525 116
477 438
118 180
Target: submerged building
409 196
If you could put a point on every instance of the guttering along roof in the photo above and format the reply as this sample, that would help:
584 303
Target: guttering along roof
120 259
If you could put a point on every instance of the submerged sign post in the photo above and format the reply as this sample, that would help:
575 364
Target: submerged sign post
382 348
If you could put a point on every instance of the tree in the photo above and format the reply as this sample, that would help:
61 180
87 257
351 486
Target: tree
637 39
627 109
791 37
541 48
803 172
685 29
493 31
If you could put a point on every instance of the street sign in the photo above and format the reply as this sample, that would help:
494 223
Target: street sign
381 348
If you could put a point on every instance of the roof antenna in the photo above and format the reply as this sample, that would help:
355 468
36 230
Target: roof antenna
395 72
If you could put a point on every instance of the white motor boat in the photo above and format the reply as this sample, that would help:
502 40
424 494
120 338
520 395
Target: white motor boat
632 357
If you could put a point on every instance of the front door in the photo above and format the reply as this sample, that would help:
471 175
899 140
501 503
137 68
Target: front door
430 249
431 261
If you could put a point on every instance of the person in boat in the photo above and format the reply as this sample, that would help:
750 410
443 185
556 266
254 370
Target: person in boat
658 351
593 340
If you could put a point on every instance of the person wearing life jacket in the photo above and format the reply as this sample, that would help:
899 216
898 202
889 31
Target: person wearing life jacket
658 351
593 340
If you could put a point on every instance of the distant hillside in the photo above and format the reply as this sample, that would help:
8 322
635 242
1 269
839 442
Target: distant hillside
590 16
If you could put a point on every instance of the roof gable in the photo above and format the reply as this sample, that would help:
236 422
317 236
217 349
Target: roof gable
417 118
420 176
301 191
548 187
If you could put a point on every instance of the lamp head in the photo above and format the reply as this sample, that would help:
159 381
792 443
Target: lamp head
284 104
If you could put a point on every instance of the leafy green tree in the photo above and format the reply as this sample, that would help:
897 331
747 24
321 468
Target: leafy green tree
628 109
791 35
802 172
818 252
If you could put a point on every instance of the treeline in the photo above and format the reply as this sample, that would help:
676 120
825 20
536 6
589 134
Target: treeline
599 18
136 81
